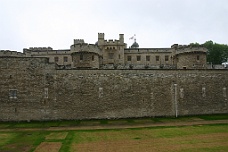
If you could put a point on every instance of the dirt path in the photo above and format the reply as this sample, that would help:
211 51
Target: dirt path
108 126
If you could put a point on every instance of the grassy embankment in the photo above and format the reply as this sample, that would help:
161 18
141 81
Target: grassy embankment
172 138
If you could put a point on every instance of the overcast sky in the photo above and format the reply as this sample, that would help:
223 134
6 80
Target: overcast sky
156 23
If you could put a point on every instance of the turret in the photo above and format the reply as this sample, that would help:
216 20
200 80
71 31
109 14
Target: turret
100 39
121 38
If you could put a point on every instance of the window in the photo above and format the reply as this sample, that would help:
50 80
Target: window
65 59
13 93
198 57
166 58
128 58
111 55
92 57
157 58
138 58
147 58
56 59
81 57
119 56
46 93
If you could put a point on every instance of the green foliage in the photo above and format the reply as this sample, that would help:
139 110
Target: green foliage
217 53
194 44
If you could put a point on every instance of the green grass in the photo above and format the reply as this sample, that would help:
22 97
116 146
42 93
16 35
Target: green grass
214 117
6 137
178 136
66 144
129 121
16 140
21 141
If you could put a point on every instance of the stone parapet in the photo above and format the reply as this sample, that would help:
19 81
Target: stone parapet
11 53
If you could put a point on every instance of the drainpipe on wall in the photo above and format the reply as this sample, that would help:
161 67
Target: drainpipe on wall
175 100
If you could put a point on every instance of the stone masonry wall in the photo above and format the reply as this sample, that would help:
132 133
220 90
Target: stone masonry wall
44 93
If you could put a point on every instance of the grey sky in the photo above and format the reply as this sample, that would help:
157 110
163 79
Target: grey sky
156 23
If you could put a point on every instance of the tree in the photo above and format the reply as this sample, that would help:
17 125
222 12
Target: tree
217 53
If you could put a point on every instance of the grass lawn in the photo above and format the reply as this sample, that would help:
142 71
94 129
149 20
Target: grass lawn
193 138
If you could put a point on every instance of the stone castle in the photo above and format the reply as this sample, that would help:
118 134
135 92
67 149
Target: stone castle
107 80
114 54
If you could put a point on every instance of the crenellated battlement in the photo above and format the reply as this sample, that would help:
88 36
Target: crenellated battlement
111 42
78 41
101 35
190 49
115 52
11 53
40 48
85 47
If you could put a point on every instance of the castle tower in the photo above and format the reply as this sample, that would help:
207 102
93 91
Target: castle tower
188 57
121 38
100 39
112 50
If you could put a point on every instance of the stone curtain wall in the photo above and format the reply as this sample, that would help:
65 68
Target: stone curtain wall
28 77
44 93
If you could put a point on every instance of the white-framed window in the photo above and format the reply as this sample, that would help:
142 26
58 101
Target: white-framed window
13 93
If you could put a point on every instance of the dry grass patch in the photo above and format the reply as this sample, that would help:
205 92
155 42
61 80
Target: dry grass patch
190 138
56 135
49 147
185 143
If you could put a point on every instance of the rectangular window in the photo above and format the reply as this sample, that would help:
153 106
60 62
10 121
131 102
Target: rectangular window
198 57
128 58
157 58
46 93
13 93
166 58
138 58
147 58
111 55
81 57
65 59
92 57
56 59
